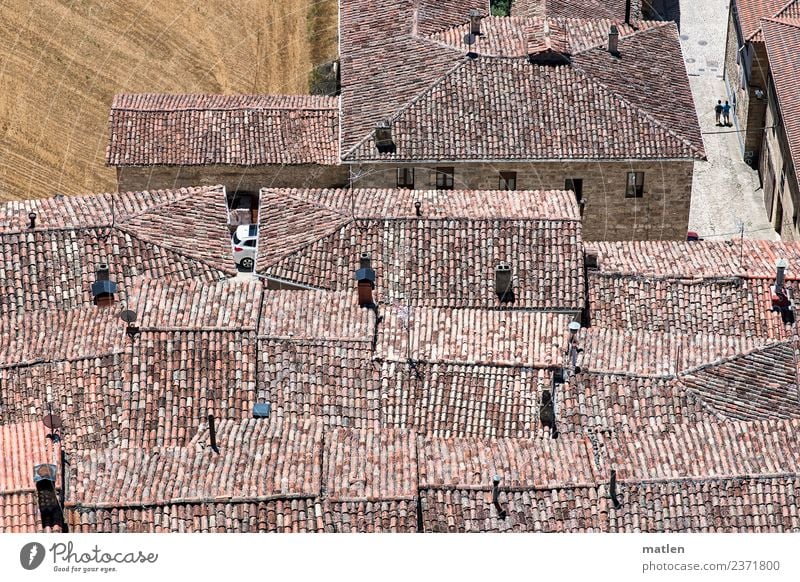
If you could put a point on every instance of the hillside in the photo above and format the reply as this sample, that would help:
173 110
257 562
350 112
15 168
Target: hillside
61 62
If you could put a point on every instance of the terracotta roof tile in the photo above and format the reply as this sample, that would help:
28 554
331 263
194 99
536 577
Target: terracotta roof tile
366 465
704 450
462 400
725 306
472 336
613 9
24 445
446 258
221 129
753 259
258 460
751 12
336 383
471 463
574 509
742 504
761 384
174 380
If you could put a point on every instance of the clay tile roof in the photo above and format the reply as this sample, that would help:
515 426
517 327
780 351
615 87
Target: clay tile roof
594 9
471 463
644 353
366 465
193 304
174 379
447 257
731 306
336 383
600 116
741 504
453 400
751 12
705 450
235 130
761 384
258 460
318 316
783 46
753 259
472 336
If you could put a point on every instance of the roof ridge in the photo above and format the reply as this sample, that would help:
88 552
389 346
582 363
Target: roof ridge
729 359
161 109
657 24
413 101
649 116
774 18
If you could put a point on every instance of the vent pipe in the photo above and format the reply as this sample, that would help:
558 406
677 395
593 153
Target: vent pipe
613 489
32 218
212 433
365 276
418 207
613 40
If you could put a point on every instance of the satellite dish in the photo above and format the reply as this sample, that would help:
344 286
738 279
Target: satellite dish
128 316
469 39
52 421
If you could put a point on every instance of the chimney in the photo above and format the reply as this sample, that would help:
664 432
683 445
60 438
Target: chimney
780 298
383 138
103 288
547 412
502 283
212 433
613 40
613 489
44 478
573 349
781 273
627 11
418 207
592 259
365 276
32 218
475 17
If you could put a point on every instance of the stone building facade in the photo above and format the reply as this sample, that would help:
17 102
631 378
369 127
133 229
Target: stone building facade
610 210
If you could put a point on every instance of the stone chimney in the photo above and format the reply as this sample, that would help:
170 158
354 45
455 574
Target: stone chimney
613 40
475 17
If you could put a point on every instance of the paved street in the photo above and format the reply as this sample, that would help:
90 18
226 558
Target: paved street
726 190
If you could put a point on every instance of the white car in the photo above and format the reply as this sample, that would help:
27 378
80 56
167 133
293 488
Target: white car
244 242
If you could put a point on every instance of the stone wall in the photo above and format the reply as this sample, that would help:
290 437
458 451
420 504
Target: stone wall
785 206
662 212
253 178
733 76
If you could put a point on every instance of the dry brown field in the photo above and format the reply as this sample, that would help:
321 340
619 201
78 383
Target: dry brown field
62 61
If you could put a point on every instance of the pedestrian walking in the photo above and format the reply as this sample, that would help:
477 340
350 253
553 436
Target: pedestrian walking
718 111
726 114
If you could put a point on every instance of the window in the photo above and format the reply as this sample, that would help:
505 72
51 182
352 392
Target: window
405 178
635 186
508 180
783 178
250 243
444 178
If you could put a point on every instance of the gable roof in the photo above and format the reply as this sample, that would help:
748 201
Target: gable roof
783 45
238 130
751 12
442 105
444 258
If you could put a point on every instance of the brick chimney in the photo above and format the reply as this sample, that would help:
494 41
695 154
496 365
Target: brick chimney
365 276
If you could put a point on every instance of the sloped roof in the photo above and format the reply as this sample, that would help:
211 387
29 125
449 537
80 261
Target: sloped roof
444 258
613 9
442 105
752 11
239 130
783 45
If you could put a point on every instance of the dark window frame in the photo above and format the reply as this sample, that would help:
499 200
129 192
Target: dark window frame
635 189
445 177
403 180
508 181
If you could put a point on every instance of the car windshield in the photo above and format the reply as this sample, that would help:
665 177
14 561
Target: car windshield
236 240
